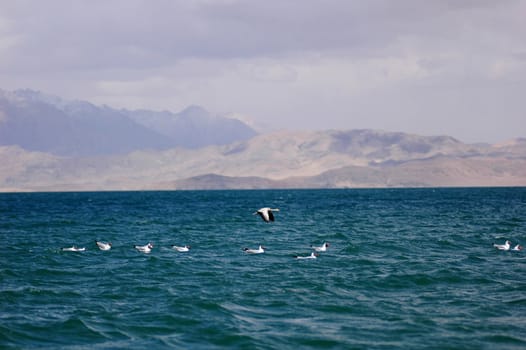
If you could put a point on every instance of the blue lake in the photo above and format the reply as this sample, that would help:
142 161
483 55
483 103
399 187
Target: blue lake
406 268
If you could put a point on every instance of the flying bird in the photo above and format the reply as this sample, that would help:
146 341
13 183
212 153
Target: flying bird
266 213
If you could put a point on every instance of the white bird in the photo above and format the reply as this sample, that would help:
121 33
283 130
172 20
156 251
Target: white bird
73 249
505 246
266 213
260 250
144 248
518 247
181 249
311 256
103 245
322 248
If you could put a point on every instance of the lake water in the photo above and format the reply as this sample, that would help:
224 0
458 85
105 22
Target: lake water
405 269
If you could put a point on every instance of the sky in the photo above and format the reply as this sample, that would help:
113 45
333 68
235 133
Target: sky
440 67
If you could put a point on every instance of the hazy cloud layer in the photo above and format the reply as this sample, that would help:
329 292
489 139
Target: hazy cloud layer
428 67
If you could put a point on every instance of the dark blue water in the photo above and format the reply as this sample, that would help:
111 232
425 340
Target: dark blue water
406 268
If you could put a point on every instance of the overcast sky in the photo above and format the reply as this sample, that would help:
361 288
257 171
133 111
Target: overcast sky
451 67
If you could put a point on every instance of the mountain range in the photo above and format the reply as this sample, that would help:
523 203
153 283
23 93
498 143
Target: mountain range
48 144
45 123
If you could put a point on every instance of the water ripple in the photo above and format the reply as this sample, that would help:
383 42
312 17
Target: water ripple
411 268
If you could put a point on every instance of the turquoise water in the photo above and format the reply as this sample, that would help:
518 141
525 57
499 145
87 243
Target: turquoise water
406 268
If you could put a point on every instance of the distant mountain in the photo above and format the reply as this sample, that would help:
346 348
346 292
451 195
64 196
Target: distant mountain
45 123
437 172
41 123
194 127
321 159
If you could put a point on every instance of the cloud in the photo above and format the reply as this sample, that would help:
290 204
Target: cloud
3 117
273 71
308 63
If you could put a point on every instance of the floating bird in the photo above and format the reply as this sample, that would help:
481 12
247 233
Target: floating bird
505 246
103 245
144 248
73 249
266 213
518 247
311 256
322 248
181 249
260 250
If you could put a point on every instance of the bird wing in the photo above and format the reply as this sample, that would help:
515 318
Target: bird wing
264 215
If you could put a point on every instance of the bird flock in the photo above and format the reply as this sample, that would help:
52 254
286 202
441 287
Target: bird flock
266 214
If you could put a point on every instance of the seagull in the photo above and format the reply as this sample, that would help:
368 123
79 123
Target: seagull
73 249
260 250
266 213
518 247
181 249
311 256
505 246
103 245
322 248
144 248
